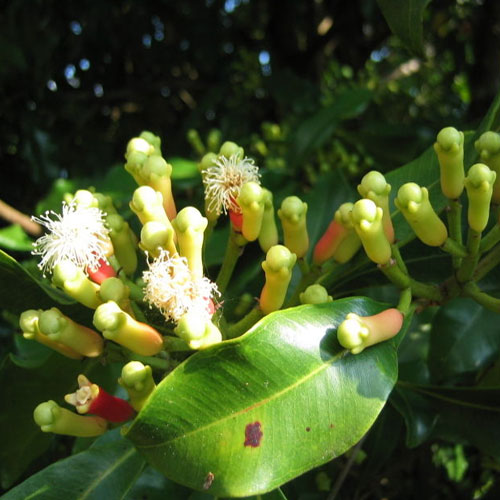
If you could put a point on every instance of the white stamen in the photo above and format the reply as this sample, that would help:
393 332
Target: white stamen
78 235
223 181
171 287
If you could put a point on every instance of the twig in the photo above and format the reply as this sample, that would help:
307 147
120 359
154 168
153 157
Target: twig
14 216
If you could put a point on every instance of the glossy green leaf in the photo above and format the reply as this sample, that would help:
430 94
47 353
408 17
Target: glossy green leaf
105 470
236 410
182 168
405 18
317 129
15 239
464 338
21 291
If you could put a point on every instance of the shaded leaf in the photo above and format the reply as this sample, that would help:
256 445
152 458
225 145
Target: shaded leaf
464 338
183 169
235 410
317 129
103 471
405 18
15 239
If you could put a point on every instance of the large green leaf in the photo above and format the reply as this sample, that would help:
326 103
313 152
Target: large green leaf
464 338
256 411
105 470
405 18
14 238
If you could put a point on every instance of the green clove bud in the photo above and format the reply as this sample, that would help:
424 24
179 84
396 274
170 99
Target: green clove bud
137 380
189 226
147 204
278 268
118 326
293 219
268 235
488 147
197 330
449 148
358 332
124 245
413 201
479 184
63 330
156 236
251 201
50 417
156 173
374 187
367 220
315 294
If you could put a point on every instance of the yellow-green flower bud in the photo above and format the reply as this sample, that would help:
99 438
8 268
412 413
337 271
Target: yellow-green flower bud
358 332
374 187
156 173
59 328
413 201
293 219
207 161
195 140
137 380
140 145
251 201
349 243
124 245
50 417
28 322
488 147
479 184
73 281
229 149
105 203
197 330
116 290
120 327
138 150
449 148
315 294
85 198
268 235
214 138
156 236
189 226
278 268
147 204
367 220
153 139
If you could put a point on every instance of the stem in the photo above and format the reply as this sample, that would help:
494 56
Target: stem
175 344
455 226
426 291
14 216
233 252
395 275
474 292
136 292
405 301
396 255
343 474
490 239
245 323
487 264
469 263
454 248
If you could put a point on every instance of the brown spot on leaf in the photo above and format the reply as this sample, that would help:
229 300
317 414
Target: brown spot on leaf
331 426
308 429
208 481
253 435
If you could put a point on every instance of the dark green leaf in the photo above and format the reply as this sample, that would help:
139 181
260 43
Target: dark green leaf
105 470
235 410
418 414
15 239
405 17
317 129
464 338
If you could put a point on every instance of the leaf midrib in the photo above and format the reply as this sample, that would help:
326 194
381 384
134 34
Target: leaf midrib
276 395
